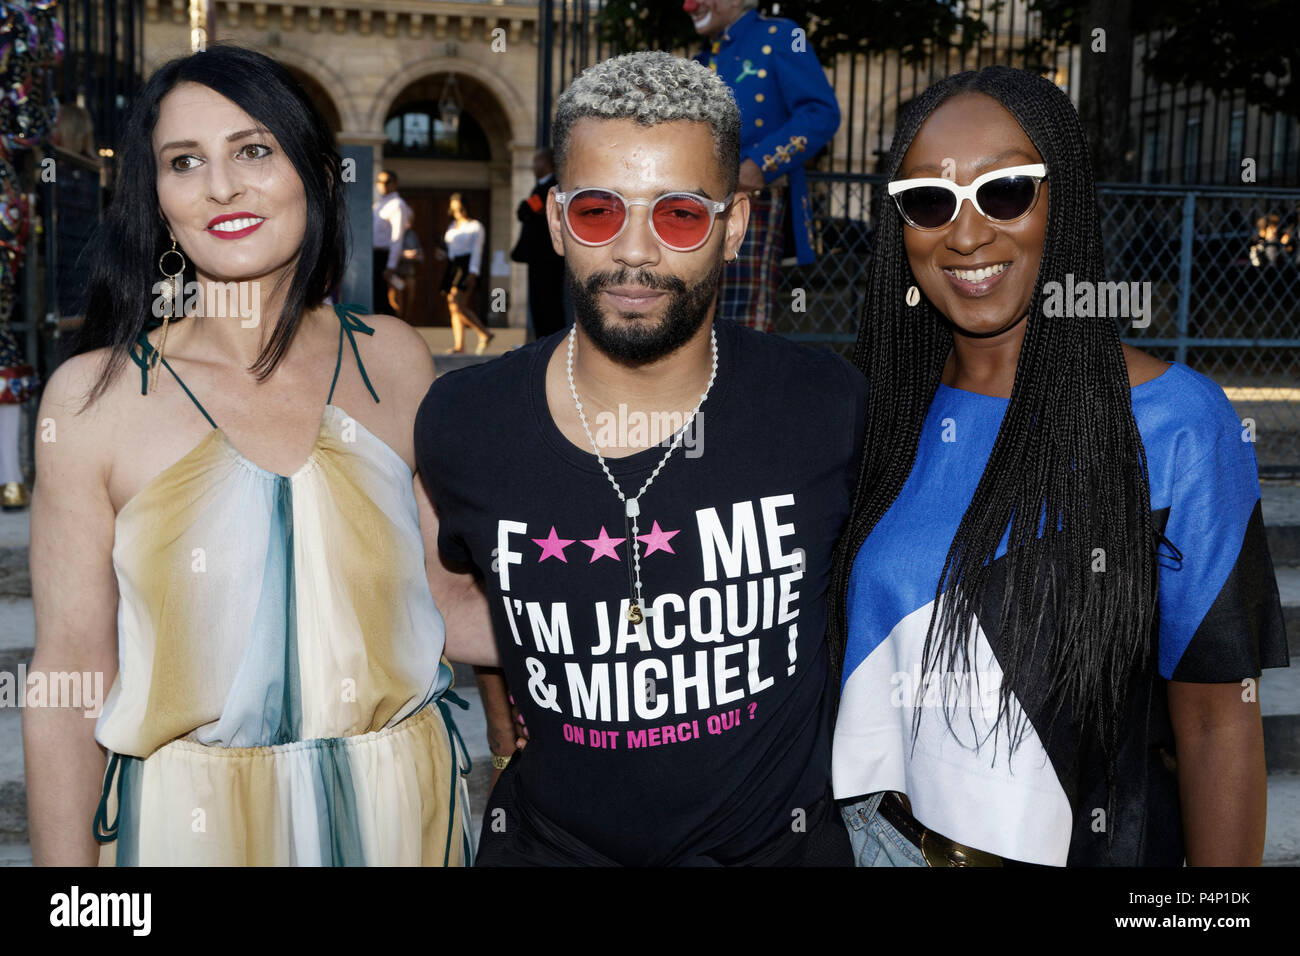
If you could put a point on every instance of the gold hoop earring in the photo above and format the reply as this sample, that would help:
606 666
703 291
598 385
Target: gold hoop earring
171 292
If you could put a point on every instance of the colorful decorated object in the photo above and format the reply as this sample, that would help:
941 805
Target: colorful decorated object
31 46
18 380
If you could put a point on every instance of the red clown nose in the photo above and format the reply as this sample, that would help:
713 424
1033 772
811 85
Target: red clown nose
690 6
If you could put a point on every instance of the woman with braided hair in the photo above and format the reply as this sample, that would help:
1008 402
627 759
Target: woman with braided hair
1053 594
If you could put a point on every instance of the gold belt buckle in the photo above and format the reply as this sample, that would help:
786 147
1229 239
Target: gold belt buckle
940 851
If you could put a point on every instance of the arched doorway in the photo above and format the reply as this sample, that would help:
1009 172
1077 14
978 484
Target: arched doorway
437 150
319 98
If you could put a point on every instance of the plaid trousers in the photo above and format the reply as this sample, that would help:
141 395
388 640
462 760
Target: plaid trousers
748 287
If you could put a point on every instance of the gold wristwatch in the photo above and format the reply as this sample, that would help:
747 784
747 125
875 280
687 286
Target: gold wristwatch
499 762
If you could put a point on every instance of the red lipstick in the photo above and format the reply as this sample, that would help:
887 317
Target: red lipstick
237 233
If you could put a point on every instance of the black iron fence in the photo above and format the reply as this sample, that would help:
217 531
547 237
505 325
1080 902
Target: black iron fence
1223 280
1178 134
104 62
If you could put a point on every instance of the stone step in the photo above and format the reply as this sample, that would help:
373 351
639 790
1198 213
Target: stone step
17 632
1284 545
15 854
1282 834
439 339
1288 586
442 364
1279 702
15 532
13 789
1280 504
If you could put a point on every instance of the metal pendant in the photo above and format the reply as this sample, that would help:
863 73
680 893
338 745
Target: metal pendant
634 613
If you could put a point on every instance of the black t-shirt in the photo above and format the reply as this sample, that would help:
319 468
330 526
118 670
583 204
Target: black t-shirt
703 731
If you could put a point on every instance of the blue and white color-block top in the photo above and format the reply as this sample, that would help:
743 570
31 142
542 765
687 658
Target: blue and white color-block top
1219 619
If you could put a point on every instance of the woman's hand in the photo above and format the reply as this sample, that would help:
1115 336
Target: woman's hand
751 177
504 728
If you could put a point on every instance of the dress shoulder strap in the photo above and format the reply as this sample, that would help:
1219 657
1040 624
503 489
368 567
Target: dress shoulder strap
142 354
349 325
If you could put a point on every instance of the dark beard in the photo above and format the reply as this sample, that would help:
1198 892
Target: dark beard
635 344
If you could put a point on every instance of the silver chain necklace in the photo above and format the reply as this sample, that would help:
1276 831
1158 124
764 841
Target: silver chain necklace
632 506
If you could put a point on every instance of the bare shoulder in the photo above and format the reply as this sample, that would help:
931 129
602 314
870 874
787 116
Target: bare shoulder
69 426
1141 366
403 352
66 396
400 366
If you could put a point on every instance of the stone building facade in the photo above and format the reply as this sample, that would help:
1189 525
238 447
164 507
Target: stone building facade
381 67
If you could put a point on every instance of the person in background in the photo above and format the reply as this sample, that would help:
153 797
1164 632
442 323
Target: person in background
1290 237
392 218
464 239
545 265
788 113
18 381
1267 245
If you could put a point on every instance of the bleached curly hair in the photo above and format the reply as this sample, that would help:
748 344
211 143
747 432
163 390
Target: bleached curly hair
652 88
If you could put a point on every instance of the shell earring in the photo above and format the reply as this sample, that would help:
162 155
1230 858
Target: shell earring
171 293
913 296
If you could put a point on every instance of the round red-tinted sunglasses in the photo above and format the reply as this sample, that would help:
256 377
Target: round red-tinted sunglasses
680 221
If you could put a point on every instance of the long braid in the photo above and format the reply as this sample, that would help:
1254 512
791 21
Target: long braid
1067 474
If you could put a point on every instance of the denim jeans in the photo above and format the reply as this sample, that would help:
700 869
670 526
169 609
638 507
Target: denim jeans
875 842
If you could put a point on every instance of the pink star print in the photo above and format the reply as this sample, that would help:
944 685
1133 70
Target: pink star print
657 540
603 546
553 546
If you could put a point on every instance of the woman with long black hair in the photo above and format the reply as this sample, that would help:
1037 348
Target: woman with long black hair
246 567
1054 595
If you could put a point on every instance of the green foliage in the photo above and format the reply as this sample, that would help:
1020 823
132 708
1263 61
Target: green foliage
630 25
1226 46
1248 46
916 28
834 26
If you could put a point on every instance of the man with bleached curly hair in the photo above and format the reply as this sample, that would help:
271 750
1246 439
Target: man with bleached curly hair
651 501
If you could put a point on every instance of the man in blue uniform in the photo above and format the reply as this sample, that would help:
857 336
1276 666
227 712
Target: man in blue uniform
788 112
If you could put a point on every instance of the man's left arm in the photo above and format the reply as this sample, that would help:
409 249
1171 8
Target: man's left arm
812 113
